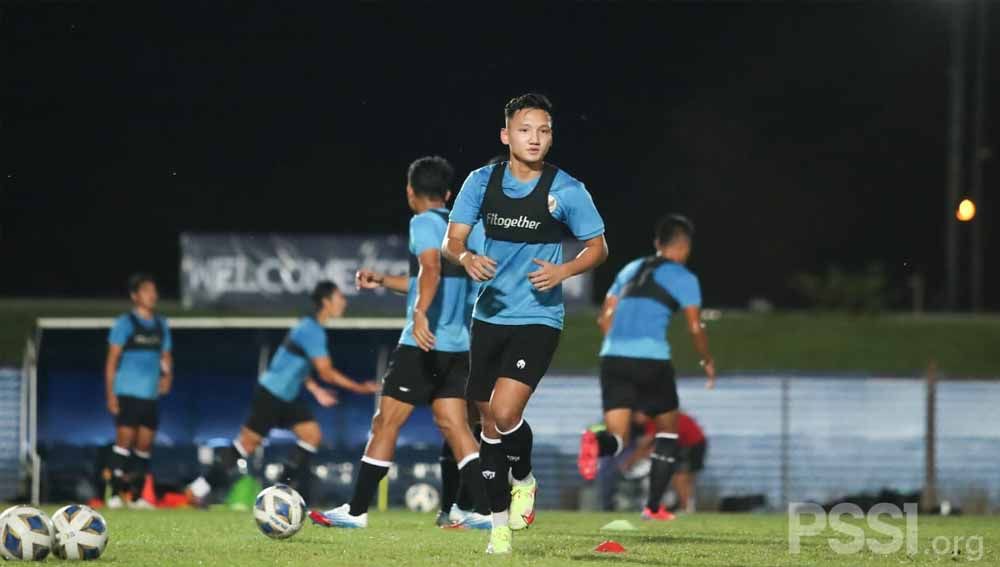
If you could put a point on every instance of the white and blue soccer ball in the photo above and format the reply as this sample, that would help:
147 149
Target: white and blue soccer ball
25 534
279 511
80 533
422 497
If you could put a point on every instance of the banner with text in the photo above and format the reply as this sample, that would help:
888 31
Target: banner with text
277 272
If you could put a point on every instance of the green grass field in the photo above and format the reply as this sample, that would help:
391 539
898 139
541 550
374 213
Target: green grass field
190 537
782 341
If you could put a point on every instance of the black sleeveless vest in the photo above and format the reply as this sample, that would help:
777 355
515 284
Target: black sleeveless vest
448 270
143 338
643 284
521 220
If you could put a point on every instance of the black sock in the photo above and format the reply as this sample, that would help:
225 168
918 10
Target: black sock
225 467
449 478
608 444
664 452
466 500
471 471
517 445
493 462
138 467
117 463
231 456
297 474
372 472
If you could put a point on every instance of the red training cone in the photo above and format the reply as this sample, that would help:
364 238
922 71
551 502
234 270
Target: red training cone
148 493
610 546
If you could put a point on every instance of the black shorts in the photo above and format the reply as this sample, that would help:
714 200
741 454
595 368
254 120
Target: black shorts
519 352
639 384
692 459
137 412
418 378
268 412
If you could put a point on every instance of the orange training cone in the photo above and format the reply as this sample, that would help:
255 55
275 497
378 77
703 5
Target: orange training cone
148 494
610 546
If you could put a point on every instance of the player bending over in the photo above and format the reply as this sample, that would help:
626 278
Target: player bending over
636 373
528 206
276 398
137 371
431 363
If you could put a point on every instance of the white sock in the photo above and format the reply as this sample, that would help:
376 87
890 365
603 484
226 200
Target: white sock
500 519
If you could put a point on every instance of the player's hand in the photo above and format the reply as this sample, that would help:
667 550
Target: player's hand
548 276
370 387
324 397
422 331
113 404
479 268
709 366
368 279
165 383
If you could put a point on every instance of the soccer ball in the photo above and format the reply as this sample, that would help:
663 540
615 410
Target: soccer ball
422 497
80 533
279 511
25 533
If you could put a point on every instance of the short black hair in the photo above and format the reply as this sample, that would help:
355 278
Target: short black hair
431 176
136 280
673 226
528 100
323 290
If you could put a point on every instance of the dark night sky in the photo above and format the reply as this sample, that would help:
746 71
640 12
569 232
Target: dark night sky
795 135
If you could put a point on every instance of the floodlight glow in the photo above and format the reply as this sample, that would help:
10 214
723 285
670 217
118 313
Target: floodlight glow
966 210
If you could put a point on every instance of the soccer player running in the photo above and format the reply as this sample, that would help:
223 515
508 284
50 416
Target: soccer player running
276 399
137 371
431 363
528 206
636 373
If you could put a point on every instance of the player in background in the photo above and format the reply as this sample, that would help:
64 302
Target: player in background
692 445
691 448
456 500
527 206
636 372
276 399
431 363
137 371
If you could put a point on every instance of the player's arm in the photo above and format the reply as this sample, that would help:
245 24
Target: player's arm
110 369
166 372
324 397
549 275
368 279
479 267
700 338
607 313
166 361
428 281
643 449
327 373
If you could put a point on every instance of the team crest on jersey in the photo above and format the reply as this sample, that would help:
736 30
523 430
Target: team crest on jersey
553 204
489 475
